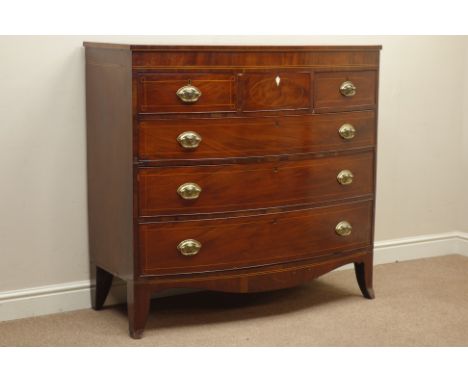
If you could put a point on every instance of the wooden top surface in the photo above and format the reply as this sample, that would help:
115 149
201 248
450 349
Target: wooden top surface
239 48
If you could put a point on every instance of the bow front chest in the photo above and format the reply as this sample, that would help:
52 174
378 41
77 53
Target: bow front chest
230 168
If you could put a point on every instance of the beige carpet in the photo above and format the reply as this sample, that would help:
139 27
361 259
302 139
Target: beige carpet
418 303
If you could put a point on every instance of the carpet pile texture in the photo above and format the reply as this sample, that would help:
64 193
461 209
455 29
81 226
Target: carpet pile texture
418 303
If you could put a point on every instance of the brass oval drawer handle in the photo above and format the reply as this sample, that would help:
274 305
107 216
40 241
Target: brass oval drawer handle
189 140
189 247
189 93
343 228
348 89
347 131
345 177
189 191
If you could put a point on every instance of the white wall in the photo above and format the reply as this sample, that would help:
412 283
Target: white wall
43 231
419 136
463 175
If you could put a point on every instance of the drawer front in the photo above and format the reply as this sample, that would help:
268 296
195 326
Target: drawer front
223 188
241 137
345 90
229 243
186 92
276 91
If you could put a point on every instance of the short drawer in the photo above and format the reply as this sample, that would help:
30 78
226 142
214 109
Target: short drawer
220 244
186 92
223 188
335 91
211 138
276 91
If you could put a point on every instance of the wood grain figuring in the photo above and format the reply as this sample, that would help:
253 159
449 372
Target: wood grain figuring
240 137
109 160
216 58
267 164
260 279
242 242
329 98
251 186
157 92
276 90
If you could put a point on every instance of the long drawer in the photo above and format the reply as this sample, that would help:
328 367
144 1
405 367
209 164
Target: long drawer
221 188
239 137
230 243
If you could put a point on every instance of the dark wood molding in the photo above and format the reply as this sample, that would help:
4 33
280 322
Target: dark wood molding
232 48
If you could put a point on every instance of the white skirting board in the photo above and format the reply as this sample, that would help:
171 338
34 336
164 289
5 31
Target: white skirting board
65 297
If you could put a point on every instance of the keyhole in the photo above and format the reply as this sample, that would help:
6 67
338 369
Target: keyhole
278 80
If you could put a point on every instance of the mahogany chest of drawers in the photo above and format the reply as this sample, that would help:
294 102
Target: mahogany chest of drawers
230 168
